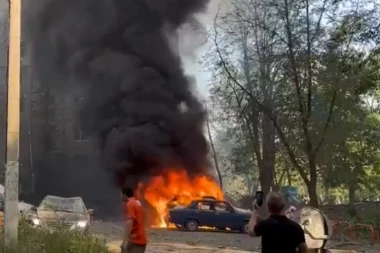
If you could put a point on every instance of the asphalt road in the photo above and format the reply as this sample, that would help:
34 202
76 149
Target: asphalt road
171 240
200 240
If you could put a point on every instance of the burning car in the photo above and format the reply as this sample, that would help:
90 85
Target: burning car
209 212
65 213
175 189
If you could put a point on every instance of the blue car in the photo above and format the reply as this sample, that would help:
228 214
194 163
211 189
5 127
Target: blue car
210 213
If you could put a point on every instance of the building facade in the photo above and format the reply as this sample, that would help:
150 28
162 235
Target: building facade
56 156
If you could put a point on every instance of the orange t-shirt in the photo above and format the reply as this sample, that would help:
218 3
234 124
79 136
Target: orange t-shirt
133 210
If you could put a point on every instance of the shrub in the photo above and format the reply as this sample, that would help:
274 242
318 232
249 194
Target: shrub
32 240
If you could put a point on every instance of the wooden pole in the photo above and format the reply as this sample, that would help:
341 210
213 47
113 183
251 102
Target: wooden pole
11 212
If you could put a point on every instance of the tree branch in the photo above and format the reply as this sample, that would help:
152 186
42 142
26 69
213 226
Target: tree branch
267 111
293 63
214 155
309 68
327 124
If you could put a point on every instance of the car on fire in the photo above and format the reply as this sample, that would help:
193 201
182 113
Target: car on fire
209 212
64 213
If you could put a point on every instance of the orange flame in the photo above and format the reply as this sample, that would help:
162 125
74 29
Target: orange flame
176 188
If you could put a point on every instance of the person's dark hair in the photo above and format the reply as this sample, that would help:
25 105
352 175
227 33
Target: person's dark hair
127 192
275 203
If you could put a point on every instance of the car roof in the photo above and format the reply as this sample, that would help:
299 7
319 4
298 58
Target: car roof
211 199
62 198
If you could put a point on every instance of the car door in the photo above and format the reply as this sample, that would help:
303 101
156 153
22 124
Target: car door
226 217
204 213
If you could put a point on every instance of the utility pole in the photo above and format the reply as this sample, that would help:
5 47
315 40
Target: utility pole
11 212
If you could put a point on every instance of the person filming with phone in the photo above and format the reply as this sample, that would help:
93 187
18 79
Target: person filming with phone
278 233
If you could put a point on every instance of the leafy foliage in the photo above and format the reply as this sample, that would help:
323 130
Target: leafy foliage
292 81
61 241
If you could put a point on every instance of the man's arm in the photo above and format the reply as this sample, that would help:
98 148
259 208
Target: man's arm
127 232
255 228
252 223
128 225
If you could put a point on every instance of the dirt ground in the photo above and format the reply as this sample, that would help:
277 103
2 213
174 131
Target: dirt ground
164 240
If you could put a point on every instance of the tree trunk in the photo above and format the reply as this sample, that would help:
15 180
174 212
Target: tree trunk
214 155
312 185
288 175
249 183
351 194
268 158
351 197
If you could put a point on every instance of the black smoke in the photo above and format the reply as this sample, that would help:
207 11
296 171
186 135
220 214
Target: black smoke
137 98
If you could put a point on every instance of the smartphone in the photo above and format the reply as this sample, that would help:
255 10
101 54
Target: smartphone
259 197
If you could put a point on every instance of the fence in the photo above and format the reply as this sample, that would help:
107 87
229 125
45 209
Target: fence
359 232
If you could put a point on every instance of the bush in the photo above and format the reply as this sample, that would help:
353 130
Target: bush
31 240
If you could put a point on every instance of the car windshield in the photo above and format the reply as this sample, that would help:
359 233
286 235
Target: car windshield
74 205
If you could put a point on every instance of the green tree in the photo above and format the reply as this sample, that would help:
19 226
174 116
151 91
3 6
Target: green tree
282 70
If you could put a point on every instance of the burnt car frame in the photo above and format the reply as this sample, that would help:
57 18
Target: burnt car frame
210 213
63 213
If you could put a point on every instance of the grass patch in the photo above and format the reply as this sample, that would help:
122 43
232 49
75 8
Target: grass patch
33 240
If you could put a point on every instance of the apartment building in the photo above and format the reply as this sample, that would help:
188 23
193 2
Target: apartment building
56 155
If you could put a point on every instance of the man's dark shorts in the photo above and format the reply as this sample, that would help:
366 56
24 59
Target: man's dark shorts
135 248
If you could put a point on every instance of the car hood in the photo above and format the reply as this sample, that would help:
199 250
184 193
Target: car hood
25 207
45 215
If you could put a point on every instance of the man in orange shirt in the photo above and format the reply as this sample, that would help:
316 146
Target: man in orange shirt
135 239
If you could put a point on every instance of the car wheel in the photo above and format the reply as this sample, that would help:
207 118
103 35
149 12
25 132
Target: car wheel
244 228
191 225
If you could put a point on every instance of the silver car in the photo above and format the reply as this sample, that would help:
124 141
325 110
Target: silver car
63 213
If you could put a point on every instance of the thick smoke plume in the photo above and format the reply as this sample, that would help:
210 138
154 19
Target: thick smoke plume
137 98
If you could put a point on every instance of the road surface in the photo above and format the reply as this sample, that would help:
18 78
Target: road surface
164 240
172 240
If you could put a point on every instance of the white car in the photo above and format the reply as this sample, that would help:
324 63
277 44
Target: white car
64 213
23 208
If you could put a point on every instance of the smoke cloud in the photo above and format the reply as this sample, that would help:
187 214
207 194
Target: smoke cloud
137 97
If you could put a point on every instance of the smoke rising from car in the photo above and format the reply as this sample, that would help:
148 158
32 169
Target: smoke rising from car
117 55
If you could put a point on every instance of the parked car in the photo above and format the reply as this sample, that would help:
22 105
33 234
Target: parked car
210 213
25 210
64 213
